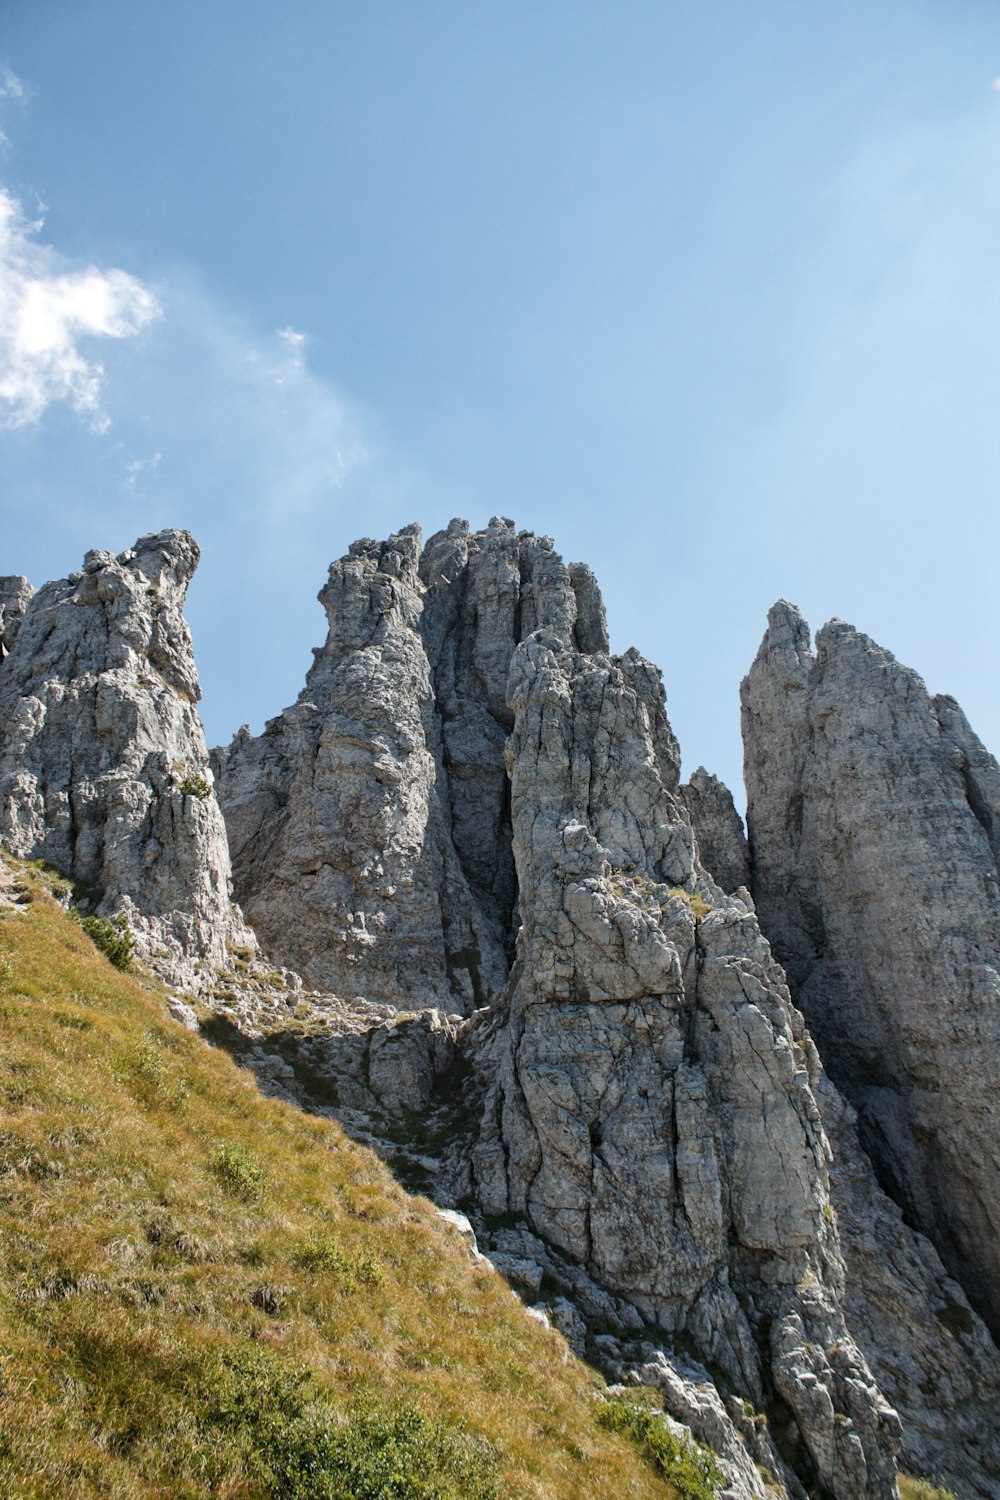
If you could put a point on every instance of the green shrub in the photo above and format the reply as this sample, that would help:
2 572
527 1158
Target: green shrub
239 1170
690 1468
194 785
112 936
327 1256
297 1448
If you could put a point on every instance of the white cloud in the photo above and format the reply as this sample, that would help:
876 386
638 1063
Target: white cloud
136 469
11 87
47 312
219 415
294 342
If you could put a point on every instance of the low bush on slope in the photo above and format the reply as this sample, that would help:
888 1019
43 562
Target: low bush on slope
205 1292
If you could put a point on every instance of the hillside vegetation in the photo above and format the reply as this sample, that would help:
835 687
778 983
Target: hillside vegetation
208 1292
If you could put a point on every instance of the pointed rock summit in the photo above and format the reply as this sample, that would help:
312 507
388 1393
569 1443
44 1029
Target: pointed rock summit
873 814
103 765
370 823
718 828
649 1108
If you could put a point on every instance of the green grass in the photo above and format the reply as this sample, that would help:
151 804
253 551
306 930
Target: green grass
690 1467
699 906
239 1170
209 1293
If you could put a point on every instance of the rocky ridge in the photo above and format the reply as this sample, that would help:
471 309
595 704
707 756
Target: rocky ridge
534 977
369 824
649 1107
932 1354
637 986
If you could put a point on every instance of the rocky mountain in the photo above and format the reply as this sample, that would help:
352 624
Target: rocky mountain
649 1108
370 823
564 986
873 814
103 765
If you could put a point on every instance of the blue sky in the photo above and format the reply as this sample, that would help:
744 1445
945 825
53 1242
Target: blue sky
711 293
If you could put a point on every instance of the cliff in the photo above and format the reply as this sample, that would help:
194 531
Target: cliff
873 812
103 764
559 990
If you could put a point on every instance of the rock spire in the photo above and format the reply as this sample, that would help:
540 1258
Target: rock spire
103 765
649 1107
370 823
873 813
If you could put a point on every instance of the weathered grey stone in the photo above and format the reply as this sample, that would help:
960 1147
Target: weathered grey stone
649 1108
564 1317
932 1356
718 830
370 823
15 592
525 1275
339 834
873 813
745 1455
407 1057
590 630
103 765
459 1224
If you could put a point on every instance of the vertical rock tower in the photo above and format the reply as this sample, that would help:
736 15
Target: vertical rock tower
873 815
370 823
649 1101
103 765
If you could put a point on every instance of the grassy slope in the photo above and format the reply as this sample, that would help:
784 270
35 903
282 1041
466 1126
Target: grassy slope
131 1260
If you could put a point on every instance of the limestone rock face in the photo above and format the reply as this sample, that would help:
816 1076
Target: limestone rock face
406 1058
103 765
873 813
370 823
14 595
649 1107
718 829
933 1357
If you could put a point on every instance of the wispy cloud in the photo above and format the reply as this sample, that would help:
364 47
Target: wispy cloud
11 87
235 413
48 316
294 343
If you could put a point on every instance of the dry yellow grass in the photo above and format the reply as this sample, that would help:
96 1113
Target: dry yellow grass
138 1256
922 1489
